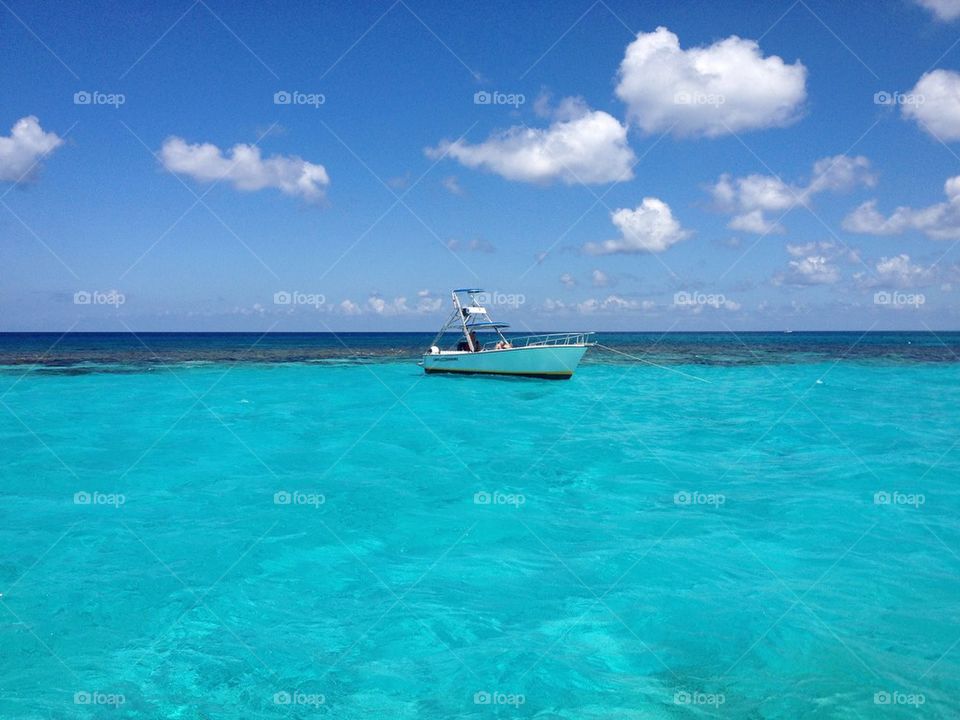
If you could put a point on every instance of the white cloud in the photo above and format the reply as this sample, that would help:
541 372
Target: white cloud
810 270
755 222
428 304
750 198
245 168
710 90
568 280
810 248
815 263
937 105
591 306
580 146
452 185
898 272
599 278
377 305
612 303
650 227
940 221
945 10
22 150
348 307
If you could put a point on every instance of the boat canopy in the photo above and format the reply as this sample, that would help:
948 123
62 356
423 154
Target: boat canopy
491 325
467 317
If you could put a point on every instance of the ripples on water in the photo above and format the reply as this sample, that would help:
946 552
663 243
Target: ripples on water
617 583
83 353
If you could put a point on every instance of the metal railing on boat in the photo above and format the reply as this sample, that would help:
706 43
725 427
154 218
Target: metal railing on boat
546 340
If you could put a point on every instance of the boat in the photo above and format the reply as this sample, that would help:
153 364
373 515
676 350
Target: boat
551 356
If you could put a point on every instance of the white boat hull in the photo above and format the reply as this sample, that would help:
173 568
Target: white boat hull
545 361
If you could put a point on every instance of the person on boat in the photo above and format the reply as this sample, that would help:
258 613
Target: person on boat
503 345
474 342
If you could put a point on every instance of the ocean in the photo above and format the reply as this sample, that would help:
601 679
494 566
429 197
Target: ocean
206 526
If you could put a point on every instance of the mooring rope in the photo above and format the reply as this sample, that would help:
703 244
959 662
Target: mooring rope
648 362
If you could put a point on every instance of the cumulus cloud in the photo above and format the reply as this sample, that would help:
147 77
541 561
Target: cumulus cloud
810 270
580 146
612 303
810 248
599 278
940 221
900 272
897 272
937 105
749 199
945 10
591 306
568 280
755 222
244 167
650 227
710 90
426 304
348 307
379 306
22 150
815 263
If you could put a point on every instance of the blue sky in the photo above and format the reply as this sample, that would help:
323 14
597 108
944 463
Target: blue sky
733 169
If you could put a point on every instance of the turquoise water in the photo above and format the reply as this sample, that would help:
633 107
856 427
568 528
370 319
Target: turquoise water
631 543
